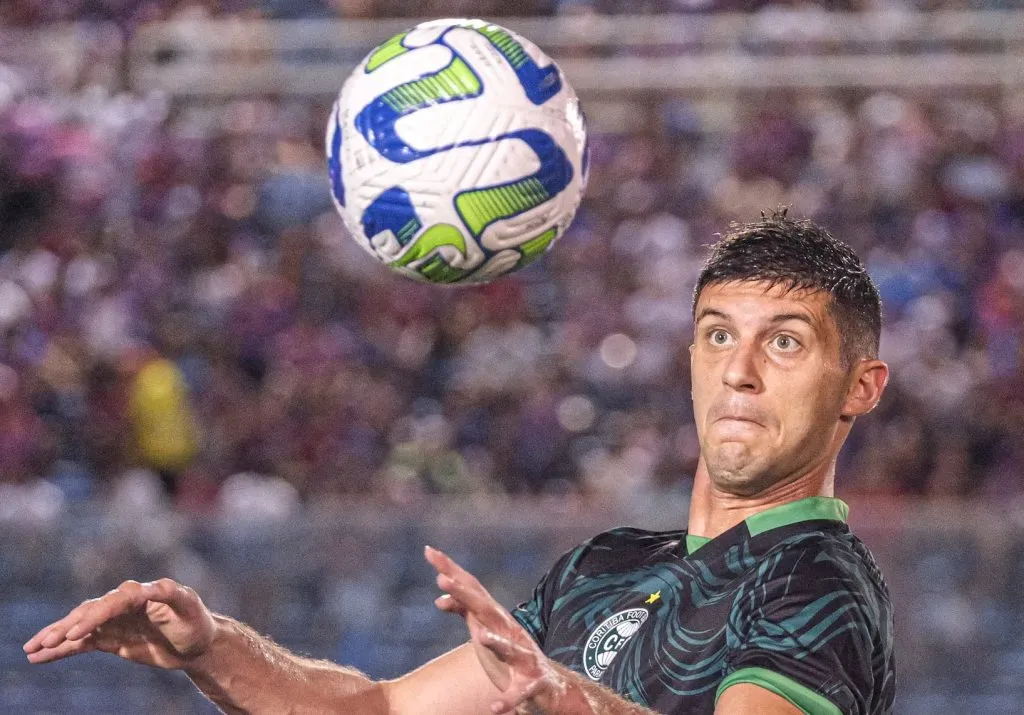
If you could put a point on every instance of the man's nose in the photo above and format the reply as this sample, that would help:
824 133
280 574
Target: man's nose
742 370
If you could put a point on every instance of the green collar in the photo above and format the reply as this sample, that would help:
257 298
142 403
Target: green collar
808 509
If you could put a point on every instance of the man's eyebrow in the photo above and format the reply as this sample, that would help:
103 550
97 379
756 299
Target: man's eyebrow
778 318
783 317
711 313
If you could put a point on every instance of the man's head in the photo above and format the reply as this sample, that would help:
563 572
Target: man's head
786 330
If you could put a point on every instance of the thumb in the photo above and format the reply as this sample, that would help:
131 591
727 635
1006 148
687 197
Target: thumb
182 599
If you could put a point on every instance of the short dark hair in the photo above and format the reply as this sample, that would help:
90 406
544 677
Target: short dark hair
802 256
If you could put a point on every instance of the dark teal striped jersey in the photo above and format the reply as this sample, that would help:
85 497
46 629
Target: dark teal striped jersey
789 600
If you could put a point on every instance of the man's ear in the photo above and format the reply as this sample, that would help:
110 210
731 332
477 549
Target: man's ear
869 380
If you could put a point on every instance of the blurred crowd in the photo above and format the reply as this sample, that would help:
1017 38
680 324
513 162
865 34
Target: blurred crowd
180 305
130 13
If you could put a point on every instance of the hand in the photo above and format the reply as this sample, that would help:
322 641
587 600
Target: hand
163 624
510 657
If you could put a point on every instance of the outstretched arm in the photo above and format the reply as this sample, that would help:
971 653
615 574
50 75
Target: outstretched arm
244 672
529 682
166 625
525 677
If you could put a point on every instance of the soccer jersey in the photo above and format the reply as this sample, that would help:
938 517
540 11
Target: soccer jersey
788 599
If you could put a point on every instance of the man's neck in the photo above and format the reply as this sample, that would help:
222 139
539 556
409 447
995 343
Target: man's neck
713 511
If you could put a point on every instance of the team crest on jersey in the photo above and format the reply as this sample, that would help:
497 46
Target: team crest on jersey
605 642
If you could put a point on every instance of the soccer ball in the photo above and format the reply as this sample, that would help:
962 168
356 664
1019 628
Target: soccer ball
457 152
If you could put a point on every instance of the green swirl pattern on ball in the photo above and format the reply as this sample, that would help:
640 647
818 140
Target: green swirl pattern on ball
505 44
535 247
437 270
455 81
388 51
481 207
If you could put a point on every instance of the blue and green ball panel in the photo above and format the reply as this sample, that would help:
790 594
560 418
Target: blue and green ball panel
539 83
481 207
334 158
384 53
393 211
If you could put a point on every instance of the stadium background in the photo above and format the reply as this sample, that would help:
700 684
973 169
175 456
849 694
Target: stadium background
202 377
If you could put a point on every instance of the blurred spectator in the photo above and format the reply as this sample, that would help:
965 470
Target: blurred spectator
164 425
289 357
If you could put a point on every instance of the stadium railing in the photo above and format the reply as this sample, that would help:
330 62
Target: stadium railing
610 60
603 55
616 55
54 58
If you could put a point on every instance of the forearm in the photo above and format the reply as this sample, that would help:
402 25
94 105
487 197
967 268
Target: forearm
243 672
575 695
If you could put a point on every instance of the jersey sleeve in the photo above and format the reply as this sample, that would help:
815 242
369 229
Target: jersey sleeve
534 614
806 632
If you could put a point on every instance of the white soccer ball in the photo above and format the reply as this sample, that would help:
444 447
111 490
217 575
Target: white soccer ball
457 152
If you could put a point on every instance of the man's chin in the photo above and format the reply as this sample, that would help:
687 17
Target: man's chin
736 471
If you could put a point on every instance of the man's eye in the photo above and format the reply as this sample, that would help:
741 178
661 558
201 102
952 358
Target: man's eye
719 337
786 343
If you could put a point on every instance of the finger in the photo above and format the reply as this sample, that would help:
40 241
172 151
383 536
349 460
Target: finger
498 707
84 618
473 596
56 632
507 703
467 594
128 597
460 583
516 696
503 647
131 596
449 604
445 582
183 600
445 564
449 572
64 649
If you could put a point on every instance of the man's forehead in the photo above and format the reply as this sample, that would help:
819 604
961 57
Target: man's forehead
738 298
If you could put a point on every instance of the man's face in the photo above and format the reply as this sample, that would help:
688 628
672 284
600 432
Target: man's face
768 383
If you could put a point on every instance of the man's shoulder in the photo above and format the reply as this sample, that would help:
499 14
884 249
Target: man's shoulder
635 537
625 547
832 559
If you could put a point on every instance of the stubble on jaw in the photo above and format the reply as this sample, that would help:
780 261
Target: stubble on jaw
736 471
747 469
